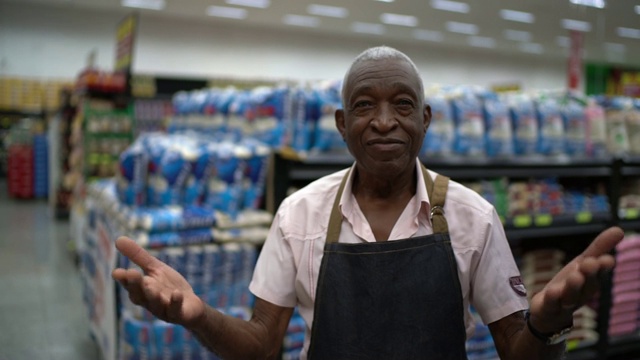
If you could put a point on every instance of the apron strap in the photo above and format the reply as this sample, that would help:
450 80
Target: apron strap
437 192
335 220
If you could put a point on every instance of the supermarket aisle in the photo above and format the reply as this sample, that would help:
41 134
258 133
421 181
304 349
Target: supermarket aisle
42 316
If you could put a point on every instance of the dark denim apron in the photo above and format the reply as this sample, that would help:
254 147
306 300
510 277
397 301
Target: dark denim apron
397 299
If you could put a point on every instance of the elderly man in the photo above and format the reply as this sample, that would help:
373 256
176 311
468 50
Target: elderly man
382 259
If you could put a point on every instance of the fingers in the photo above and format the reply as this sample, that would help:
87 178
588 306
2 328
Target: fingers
136 254
605 242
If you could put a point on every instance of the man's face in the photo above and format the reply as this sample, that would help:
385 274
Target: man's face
384 118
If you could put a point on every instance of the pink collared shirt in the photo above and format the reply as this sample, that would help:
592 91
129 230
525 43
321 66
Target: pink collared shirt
287 269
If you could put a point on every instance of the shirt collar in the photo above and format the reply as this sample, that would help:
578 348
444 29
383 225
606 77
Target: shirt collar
347 198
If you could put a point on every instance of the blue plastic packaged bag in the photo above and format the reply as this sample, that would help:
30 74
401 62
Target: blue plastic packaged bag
498 134
469 131
525 126
575 127
551 128
441 133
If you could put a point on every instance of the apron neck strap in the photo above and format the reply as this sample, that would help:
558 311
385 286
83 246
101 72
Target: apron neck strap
437 192
335 219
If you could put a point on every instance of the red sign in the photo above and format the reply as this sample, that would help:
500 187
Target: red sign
574 74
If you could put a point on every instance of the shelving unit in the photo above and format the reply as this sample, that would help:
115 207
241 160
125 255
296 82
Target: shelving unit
289 170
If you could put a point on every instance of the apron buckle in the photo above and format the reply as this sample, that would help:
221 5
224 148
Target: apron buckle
436 210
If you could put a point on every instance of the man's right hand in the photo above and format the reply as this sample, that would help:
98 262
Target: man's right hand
161 289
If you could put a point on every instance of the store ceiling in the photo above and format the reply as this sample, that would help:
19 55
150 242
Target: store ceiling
613 35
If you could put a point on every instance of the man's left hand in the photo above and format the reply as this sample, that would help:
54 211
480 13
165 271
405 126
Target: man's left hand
552 308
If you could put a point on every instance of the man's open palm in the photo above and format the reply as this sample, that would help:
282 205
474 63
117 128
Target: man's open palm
161 290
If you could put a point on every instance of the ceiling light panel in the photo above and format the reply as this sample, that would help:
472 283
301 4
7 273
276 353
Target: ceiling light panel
518 16
563 41
637 7
517 35
576 25
628 32
531 48
387 1
600 4
461 28
398 19
262 4
368 28
615 47
453 6
227 12
144 4
326 10
482 41
427 35
301 20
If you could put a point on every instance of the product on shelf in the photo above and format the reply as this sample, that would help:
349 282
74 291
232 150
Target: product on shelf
469 130
480 345
440 137
498 134
629 202
624 314
293 341
538 267
525 125
551 129
27 160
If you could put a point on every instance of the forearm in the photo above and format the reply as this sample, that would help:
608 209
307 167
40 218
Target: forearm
233 338
523 345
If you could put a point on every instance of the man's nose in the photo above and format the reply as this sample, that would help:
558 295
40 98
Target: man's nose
384 119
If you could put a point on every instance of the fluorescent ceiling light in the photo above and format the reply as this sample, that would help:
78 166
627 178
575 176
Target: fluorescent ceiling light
326 10
637 9
448 5
481 41
301 20
600 4
387 1
227 12
398 19
519 16
144 4
532 48
628 32
427 35
262 4
563 41
614 47
462 28
517 35
576 25
367 28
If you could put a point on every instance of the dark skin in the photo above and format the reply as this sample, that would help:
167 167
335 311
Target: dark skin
384 123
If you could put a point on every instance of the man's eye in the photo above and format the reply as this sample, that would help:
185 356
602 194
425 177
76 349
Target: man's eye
405 102
362 104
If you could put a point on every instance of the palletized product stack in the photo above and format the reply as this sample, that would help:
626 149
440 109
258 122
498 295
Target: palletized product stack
40 166
294 337
538 267
20 171
625 311
480 345
195 203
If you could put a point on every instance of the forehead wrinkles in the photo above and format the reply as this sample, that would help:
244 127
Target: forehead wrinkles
364 76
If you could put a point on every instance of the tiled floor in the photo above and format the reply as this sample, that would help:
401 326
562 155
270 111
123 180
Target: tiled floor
42 316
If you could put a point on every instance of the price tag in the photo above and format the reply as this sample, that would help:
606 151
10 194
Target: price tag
522 221
543 220
632 214
584 217
572 344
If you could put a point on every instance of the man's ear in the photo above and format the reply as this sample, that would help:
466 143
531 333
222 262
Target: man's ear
427 117
339 115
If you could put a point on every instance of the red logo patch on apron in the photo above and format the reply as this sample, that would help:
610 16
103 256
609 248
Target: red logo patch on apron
518 286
